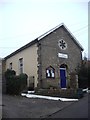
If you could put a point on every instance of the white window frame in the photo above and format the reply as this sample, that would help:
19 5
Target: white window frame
21 65
50 72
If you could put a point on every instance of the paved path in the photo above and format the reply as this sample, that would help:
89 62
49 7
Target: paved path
21 107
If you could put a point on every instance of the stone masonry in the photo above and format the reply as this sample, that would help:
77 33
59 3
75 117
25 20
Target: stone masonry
48 50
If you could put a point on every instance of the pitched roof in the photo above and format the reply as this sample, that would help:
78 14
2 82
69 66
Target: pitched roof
22 48
44 35
64 26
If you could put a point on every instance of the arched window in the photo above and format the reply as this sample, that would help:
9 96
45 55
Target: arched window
50 72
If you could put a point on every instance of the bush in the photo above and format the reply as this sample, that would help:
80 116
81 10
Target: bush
83 82
79 93
9 73
22 81
83 71
15 83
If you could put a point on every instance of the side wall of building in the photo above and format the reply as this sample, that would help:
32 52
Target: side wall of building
30 63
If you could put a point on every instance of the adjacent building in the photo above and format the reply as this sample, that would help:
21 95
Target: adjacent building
0 76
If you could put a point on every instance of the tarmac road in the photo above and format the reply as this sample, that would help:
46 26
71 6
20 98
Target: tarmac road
76 110
22 107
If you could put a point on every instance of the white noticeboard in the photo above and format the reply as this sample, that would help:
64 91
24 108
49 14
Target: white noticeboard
61 55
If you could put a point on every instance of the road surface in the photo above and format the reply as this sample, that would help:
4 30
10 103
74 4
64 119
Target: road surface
76 110
21 107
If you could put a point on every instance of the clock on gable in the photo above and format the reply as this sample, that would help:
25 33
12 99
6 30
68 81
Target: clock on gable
62 44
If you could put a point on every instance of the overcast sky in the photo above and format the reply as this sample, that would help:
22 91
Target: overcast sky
21 21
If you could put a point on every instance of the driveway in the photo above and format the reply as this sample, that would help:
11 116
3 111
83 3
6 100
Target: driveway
22 107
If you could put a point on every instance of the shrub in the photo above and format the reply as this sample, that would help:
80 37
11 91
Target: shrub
22 81
79 93
15 83
83 82
82 72
9 73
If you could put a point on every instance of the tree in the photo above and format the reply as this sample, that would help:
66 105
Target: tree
83 71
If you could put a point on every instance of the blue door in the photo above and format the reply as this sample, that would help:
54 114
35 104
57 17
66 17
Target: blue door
63 77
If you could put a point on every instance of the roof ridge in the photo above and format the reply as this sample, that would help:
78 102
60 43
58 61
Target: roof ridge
49 31
62 24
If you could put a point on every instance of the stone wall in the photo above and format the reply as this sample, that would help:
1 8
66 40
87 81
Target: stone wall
48 50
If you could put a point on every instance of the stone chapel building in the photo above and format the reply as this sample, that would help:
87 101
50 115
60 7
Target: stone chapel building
49 59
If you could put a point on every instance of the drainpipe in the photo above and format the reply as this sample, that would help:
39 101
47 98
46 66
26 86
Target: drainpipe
39 66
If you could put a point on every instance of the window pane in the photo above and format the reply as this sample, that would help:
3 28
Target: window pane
10 66
50 72
21 65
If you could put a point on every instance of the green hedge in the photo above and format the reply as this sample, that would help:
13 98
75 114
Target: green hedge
15 83
83 82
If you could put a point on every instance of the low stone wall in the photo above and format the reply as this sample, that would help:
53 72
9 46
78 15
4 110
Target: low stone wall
67 93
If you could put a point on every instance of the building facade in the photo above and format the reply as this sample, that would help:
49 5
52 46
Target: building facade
49 59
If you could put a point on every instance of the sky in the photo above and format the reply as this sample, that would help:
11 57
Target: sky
21 21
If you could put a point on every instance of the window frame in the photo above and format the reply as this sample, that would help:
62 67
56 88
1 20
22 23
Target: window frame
62 44
10 65
49 70
21 65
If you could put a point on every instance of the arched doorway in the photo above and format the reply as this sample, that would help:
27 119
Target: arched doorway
63 69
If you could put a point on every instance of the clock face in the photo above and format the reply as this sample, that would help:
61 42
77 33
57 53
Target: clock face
62 44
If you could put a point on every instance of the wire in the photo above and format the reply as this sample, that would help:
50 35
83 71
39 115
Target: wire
8 47
54 41
79 34
80 29
30 34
